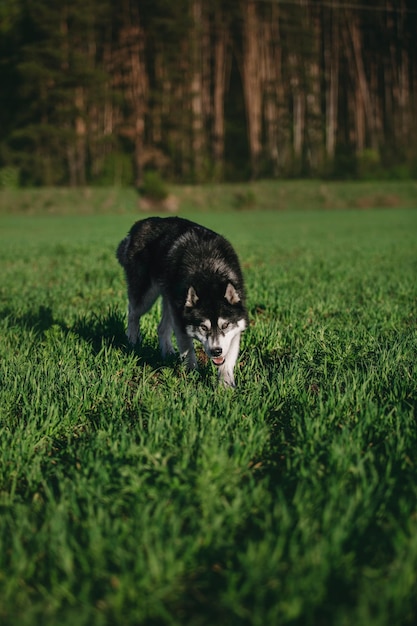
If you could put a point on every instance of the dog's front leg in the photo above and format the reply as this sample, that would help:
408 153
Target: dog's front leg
133 330
165 331
186 349
226 375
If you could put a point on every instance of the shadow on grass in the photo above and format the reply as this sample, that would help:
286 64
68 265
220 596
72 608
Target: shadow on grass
39 321
97 330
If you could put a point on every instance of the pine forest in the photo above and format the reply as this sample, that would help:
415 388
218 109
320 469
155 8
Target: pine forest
100 91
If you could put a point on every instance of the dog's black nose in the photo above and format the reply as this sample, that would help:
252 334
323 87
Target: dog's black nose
216 351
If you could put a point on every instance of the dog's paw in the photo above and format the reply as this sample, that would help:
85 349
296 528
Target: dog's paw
227 381
133 339
189 358
167 351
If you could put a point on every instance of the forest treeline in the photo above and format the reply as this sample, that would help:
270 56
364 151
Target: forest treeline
99 91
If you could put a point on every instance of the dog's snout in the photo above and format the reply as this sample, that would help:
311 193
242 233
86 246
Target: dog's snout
216 352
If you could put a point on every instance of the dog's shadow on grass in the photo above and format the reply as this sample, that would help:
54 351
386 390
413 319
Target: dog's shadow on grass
99 331
38 321
110 331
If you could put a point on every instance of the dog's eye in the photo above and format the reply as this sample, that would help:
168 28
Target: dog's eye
204 328
225 325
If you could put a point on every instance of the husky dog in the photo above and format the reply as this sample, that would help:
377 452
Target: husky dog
197 273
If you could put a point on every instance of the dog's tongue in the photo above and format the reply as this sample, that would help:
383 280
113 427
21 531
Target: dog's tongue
218 360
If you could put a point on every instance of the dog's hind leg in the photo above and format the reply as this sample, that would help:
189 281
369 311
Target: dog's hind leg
165 330
141 298
133 316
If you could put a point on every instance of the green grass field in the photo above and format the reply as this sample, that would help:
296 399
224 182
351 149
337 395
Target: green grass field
133 493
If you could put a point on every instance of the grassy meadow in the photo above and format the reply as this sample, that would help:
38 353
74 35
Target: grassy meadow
133 493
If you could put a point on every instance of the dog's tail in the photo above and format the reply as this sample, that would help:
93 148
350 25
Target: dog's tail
121 252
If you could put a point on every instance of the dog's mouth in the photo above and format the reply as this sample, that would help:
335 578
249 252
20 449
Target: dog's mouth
218 360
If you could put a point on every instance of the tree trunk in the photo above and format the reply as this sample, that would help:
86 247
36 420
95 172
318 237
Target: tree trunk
273 85
130 60
252 83
81 138
196 89
138 93
314 127
221 38
331 68
364 116
298 112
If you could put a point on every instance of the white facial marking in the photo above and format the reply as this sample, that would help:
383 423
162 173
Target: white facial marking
205 326
242 324
226 332
199 332
225 325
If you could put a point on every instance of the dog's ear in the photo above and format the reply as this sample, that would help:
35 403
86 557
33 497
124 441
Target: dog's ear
231 294
192 298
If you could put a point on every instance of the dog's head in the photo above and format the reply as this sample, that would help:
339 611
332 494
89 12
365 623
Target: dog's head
215 319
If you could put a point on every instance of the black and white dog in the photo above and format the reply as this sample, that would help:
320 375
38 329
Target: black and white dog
197 272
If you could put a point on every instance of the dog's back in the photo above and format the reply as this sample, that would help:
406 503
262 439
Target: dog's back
155 233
